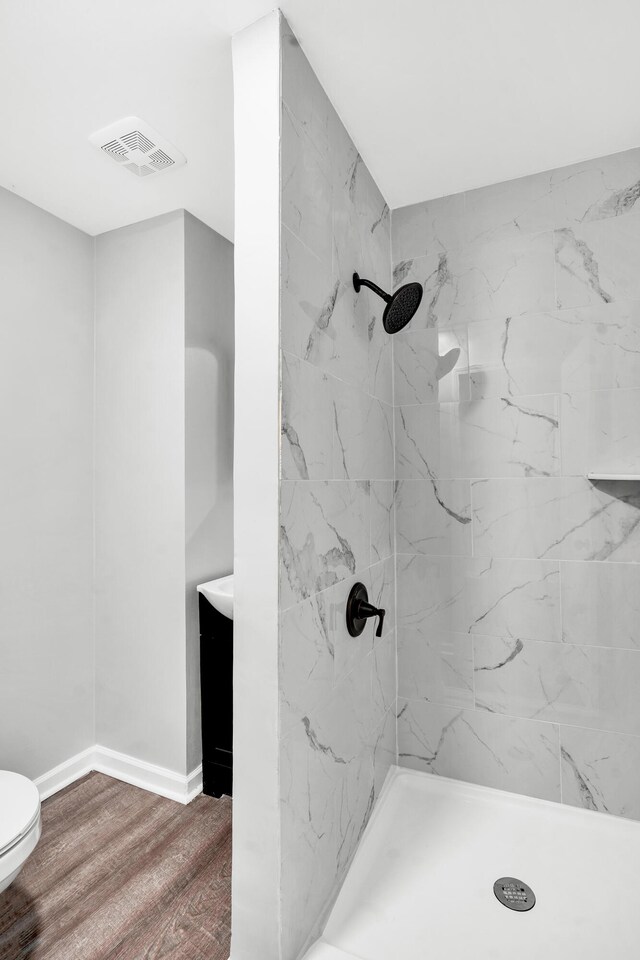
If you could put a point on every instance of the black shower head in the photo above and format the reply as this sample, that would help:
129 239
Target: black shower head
400 306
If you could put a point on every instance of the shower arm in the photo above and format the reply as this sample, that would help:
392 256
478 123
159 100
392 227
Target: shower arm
372 286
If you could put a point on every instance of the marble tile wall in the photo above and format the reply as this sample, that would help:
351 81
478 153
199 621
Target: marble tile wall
337 693
518 579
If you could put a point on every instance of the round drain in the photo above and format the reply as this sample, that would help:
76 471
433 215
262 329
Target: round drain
514 894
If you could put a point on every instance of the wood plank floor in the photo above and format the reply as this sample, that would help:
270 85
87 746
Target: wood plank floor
121 874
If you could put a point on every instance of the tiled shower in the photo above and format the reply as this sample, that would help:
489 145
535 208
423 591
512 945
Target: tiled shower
518 580
460 498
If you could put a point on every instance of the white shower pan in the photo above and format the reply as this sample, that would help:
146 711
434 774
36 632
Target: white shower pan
421 883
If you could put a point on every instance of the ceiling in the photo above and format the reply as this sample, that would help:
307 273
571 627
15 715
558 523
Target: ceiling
439 96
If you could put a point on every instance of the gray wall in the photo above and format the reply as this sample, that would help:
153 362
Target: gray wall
518 578
140 490
164 421
46 557
209 355
337 693
118 667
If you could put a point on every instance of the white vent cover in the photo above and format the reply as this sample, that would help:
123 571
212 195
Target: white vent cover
135 145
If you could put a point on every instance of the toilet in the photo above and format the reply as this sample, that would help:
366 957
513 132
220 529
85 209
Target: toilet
19 824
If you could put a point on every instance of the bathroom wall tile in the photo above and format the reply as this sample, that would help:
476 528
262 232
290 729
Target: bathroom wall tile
305 203
504 211
565 518
380 441
340 343
596 262
316 649
380 382
590 348
435 277
586 686
424 229
353 808
593 190
557 340
503 278
308 295
507 598
374 223
483 280
306 422
383 675
601 771
306 658
304 97
433 517
337 692
351 716
416 358
510 754
324 535
596 189
362 435
601 604
350 447
382 591
419 445
309 839
382 519
385 749
499 437
601 432
421 365
435 665
350 652
361 217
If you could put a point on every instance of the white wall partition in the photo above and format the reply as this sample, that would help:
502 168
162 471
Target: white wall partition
256 854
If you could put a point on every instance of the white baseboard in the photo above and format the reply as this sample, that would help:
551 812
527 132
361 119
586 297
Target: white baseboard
65 773
139 773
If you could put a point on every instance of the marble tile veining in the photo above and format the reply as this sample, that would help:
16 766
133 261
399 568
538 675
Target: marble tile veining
501 437
527 613
324 535
601 604
511 754
508 598
306 422
435 665
566 351
483 280
601 432
433 517
382 519
337 692
601 771
580 685
596 262
306 191
565 518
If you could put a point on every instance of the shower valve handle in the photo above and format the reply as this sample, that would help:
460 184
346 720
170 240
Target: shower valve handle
365 610
359 610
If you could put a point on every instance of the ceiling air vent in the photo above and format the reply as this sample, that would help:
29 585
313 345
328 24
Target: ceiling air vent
137 147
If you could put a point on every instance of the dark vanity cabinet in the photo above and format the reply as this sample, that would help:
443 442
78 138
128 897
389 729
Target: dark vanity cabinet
216 686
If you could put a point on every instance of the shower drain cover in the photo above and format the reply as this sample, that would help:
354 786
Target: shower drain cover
514 894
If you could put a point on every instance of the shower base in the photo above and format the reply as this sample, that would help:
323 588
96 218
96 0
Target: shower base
421 883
